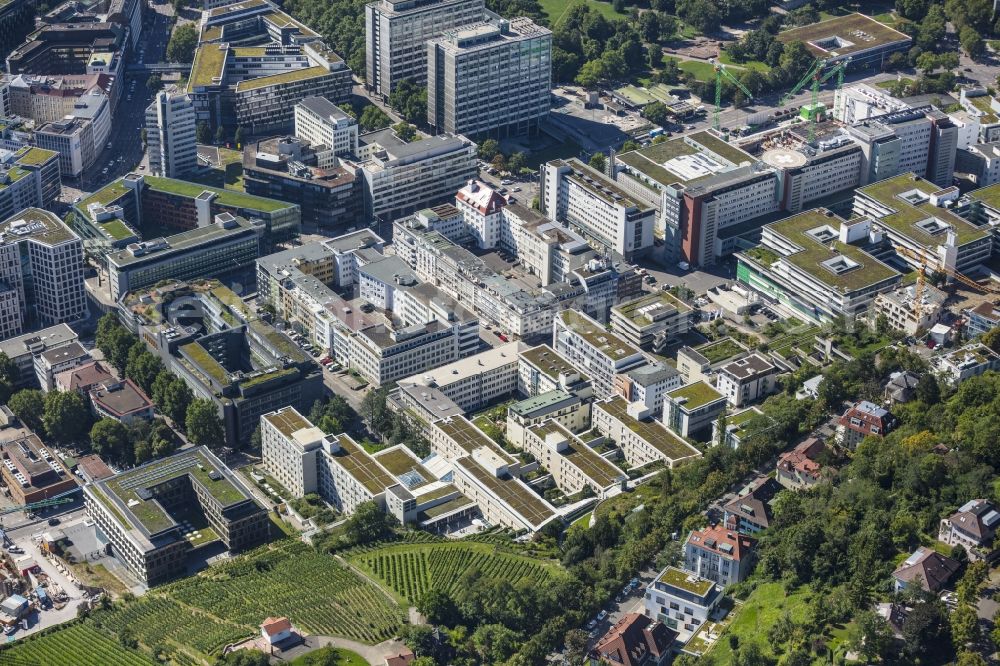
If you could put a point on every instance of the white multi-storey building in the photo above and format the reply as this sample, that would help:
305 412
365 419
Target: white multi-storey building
482 208
610 218
41 272
721 555
572 464
170 135
490 78
322 123
641 440
747 379
588 346
396 34
681 600
403 178
651 321
290 446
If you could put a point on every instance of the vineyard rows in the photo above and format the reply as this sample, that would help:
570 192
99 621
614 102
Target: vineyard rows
413 570
79 644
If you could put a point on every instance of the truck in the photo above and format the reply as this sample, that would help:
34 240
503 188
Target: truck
43 597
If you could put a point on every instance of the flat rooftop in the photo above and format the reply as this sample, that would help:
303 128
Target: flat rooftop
185 240
652 432
135 503
513 492
287 421
595 467
685 580
209 68
597 336
686 160
35 224
549 362
543 403
362 466
470 366
404 465
844 268
696 394
843 35
32 464
599 184
469 437
916 209
640 310
292 76
223 197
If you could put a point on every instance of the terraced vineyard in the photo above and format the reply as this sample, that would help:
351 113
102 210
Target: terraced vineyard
411 570
155 620
291 579
80 644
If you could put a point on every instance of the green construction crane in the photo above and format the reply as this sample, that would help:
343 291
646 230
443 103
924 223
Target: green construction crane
812 75
720 72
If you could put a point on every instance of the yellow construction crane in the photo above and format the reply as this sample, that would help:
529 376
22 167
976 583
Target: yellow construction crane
921 260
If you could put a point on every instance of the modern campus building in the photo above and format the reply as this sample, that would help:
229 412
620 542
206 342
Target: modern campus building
491 78
541 370
401 178
254 63
320 122
795 266
652 321
170 135
329 191
227 244
572 463
747 380
864 40
735 427
586 345
642 440
396 35
223 352
137 206
23 350
148 514
305 460
31 472
41 273
691 409
29 177
609 217
706 191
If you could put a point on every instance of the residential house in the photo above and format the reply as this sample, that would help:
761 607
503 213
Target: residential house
901 387
681 600
635 640
719 554
751 512
865 419
799 468
926 567
971 527
275 629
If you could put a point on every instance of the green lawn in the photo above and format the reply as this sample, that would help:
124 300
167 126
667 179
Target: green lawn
758 614
556 9
702 71
581 523
757 65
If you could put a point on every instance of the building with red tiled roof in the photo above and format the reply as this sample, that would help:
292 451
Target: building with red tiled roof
865 419
719 554
932 569
482 207
798 468
635 640
275 629
402 658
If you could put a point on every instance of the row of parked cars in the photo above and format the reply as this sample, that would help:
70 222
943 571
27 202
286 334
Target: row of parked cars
593 626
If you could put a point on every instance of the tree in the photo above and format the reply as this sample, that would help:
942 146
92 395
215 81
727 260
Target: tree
154 83
203 133
971 42
143 368
932 28
65 416
515 162
654 54
203 425
109 438
928 391
405 131
174 402
703 15
368 524
9 374
220 135
114 341
591 74
598 162
238 137
576 645
410 100
964 626
991 339
488 149
244 658
913 10
925 630
970 659
495 643
873 636
373 118
438 607
656 113
498 162
183 41
29 406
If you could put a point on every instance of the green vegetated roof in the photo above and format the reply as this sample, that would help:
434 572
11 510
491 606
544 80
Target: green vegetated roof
224 197
858 32
205 362
982 103
696 394
721 349
149 512
35 156
231 299
104 196
249 51
721 148
209 64
596 468
52 231
549 362
631 309
908 214
651 160
514 493
686 580
868 271
651 432
279 373
469 437
596 336
740 419
762 255
362 466
284 77
116 229
211 33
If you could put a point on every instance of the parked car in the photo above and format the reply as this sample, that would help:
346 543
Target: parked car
53 521
600 616
591 624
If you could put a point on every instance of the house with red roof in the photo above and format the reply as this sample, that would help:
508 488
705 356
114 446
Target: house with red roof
482 207
799 468
720 554
635 640
276 629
